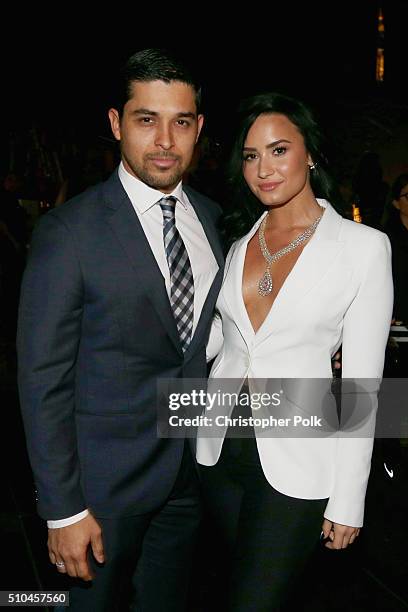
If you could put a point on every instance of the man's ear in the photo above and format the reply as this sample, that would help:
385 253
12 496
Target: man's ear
396 205
115 122
200 123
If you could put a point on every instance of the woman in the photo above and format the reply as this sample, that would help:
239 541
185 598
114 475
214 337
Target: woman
300 283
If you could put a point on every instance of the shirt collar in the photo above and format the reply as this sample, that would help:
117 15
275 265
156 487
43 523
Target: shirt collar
144 197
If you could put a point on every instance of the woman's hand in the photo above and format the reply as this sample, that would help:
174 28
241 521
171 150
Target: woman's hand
336 362
340 536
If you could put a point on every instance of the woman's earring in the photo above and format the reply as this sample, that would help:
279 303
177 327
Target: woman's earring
313 166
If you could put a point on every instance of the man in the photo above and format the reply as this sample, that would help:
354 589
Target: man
118 292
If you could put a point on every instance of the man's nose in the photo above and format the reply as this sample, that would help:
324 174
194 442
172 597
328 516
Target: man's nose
164 137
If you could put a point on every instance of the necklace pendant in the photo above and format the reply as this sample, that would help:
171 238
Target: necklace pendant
265 284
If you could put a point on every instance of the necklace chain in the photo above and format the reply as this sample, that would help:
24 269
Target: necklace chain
265 283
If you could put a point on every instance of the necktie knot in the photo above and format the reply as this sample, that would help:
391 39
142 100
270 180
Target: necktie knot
168 206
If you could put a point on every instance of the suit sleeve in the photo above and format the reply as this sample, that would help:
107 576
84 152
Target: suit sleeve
48 336
366 328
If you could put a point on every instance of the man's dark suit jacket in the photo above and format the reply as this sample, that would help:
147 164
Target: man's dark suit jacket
96 331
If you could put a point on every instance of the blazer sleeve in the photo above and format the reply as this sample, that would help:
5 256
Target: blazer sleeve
366 328
48 336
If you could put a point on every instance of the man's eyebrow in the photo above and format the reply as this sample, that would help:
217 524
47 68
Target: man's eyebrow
187 114
146 111
143 111
269 146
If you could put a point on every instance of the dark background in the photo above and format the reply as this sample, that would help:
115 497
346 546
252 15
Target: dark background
58 66
58 69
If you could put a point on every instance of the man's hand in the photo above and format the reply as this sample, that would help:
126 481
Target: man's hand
68 547
340 535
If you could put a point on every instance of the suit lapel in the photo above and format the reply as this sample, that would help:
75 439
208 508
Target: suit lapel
198 203
129 232
208 224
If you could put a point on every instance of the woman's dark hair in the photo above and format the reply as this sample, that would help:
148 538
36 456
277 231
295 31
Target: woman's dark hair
246 208
154 65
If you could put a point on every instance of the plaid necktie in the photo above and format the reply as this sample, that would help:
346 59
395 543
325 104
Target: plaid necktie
181 275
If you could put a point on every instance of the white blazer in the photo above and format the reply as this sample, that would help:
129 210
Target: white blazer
340 291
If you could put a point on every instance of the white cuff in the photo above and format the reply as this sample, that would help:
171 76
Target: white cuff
70 520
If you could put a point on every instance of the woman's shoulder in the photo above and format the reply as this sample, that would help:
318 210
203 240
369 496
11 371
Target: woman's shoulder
365 246
352 231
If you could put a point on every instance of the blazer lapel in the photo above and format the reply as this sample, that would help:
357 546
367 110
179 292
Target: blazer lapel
129 232
314 261
233 285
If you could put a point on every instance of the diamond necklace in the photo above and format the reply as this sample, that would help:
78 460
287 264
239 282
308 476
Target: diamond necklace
265 283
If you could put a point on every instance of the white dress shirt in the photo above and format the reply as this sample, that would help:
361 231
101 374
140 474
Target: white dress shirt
145 200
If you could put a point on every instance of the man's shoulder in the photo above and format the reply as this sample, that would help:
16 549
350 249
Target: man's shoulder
81 203
88 204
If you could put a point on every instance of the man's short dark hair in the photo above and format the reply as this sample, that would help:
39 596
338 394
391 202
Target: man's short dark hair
155 65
